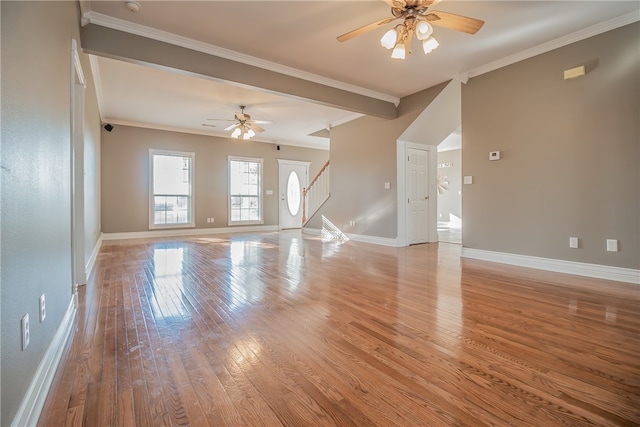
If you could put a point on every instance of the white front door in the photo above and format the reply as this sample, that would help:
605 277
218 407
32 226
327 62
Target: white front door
417 185
293 178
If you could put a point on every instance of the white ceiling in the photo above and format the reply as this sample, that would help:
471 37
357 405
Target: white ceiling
298 38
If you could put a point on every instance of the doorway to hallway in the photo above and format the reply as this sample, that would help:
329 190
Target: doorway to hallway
449 184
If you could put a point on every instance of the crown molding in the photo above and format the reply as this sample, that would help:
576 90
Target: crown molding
577 36
166 37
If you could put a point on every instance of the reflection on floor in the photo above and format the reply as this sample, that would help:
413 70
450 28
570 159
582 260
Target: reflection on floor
281 329
449 234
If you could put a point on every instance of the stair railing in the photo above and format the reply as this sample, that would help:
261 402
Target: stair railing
314 196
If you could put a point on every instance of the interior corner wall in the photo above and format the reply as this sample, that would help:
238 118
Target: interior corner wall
570 154
92 137
125 174
35 185
363 159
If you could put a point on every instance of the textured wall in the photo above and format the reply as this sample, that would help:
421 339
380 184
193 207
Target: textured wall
570 153
125 174
35 196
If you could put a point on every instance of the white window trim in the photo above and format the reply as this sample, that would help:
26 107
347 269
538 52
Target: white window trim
260 195
192 156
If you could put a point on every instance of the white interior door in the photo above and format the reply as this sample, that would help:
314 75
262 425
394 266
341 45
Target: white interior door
293 178
417 185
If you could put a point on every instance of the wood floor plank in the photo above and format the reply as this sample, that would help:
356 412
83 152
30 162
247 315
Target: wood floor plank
285 329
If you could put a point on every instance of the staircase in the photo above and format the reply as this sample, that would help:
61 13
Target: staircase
314 196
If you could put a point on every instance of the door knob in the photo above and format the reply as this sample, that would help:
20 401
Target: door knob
426 197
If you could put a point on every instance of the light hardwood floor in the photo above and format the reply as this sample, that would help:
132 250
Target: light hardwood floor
284 329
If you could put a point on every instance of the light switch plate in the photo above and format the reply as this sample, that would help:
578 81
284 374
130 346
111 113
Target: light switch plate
612 245
468 180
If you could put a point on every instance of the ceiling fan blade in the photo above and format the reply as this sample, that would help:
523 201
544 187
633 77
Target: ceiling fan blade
254 127
241 116
364 29
454 22
260 122
235 125
223 120
398 4
211 126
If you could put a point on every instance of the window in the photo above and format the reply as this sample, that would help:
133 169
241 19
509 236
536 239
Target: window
171 178
245 191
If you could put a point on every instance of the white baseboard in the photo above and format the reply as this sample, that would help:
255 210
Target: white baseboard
188 232
314 231
606 272
383 241
33 401
91 262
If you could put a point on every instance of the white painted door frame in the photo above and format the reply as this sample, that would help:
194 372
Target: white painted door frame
403 224
78 84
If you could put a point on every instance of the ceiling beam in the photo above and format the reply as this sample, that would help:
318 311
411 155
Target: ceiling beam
111 43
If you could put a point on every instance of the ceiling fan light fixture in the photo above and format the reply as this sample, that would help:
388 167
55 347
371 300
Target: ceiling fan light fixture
417 19
236 133
429 45
389 39
423 30
399 52
251 133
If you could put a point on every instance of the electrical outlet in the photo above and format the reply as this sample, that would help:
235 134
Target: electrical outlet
612 245
43 309
573 242
25 331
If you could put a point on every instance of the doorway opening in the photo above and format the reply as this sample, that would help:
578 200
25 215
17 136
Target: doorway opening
449 184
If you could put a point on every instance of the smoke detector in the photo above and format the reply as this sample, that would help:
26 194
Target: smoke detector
132 5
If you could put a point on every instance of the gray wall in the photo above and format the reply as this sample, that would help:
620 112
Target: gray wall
125 174
363 158
35 189
92 142
450 202
570 154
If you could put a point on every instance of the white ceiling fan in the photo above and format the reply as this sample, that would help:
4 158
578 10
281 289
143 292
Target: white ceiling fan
243 125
